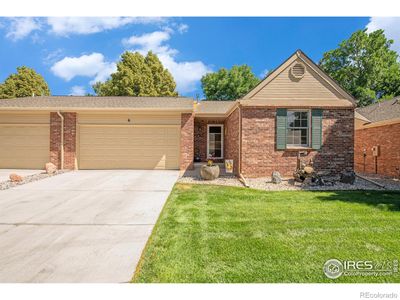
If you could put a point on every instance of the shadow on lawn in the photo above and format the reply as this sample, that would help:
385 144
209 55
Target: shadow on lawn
387 201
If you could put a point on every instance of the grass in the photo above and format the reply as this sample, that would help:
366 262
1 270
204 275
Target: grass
227 234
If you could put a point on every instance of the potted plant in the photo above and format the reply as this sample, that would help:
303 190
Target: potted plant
210 171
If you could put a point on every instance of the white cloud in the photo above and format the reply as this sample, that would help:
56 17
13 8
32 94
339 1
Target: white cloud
186 73
52 56
391 26
151 41
78 90
182 28
264 73
104 72
93 65
20 28
64 26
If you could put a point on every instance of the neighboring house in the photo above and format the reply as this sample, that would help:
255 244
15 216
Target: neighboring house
377 138
296 108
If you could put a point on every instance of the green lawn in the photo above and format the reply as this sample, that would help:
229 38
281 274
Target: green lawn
226 234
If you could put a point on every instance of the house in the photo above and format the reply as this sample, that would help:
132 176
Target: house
296 110
377 138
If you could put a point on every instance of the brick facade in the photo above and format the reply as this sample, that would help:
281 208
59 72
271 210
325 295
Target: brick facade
231 137
232 142
200 137
388 161
187 141
69 139
260 157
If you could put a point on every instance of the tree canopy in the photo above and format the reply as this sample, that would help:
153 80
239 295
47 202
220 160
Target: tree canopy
229 84
24 83
365 66
138 75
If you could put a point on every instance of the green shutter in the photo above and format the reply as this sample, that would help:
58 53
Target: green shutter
316 128
281 116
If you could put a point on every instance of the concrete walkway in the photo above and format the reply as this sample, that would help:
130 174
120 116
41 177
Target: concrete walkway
82 226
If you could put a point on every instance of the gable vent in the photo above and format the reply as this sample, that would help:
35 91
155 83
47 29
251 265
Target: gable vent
298 70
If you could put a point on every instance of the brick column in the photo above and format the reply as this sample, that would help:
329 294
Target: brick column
69 139
187 141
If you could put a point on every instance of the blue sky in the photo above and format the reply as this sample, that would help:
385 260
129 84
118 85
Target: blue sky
72 53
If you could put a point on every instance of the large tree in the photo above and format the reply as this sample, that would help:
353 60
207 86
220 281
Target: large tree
138 75
229 84
24 83
365 66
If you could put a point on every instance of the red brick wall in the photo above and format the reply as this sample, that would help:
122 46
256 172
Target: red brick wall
69 139
187 141
388 139
200 137
260 157
232 142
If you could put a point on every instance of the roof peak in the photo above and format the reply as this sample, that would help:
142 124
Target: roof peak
299 54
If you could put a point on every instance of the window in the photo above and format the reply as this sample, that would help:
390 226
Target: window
297 128
215 141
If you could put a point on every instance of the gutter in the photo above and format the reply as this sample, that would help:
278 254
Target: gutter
241 177
62 139
95 109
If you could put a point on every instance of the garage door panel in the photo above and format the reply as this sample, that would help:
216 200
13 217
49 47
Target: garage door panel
130 142
126 154
129 147
123 143
131 163
24 146
136 118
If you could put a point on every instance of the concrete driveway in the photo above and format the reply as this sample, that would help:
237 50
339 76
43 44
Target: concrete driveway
81 226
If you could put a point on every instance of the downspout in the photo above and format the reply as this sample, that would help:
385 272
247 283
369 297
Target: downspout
62 139
241 177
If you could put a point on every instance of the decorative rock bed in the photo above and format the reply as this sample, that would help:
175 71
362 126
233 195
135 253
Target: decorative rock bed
225 180
4 185
291 185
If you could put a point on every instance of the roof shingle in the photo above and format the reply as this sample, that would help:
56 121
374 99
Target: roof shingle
382 111
214 107
95 102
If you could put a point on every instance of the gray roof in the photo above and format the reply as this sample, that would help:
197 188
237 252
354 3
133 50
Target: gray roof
214 107
385 110
95 102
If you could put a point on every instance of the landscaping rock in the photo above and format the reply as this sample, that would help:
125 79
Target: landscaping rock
308 170
209 172
15 177
348 177
30 178
276 177
51 168
308 181
264 183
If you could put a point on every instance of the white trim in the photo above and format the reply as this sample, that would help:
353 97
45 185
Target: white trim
289 146
222 139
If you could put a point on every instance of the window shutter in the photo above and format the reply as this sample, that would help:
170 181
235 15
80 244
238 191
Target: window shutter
316 128
281 122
